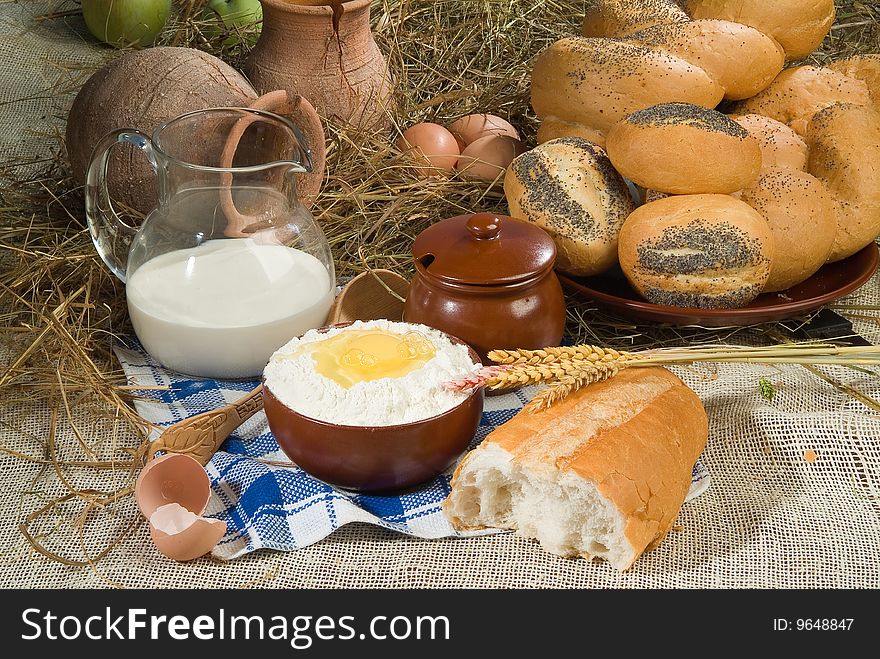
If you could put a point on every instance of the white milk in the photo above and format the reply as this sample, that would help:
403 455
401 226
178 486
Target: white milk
221 309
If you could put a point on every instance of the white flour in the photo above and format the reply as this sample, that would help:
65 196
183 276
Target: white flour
385 402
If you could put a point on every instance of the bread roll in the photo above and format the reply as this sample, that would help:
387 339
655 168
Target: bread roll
601 474
780 145
697 251
569 188
739 58
552 130
844 142
798 93
684 149
798 25
616 18
654 195
862 67
597 82
800 212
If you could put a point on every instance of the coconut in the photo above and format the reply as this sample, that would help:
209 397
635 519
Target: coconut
142 89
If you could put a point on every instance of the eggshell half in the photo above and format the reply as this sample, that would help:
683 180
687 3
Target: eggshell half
430 144
181 535
472 127
173 478
489 157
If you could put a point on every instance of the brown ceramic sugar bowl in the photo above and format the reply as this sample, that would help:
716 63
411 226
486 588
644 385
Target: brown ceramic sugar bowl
489 280
375 459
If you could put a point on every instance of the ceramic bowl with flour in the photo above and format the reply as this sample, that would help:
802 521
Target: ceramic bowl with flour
362 405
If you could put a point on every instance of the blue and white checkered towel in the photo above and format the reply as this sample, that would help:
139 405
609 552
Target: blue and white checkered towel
267 506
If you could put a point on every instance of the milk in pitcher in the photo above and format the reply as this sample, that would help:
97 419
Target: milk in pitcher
221 309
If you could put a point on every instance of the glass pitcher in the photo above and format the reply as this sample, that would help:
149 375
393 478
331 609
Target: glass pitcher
230 265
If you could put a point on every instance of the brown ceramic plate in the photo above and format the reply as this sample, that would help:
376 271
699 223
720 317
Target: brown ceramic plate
833 281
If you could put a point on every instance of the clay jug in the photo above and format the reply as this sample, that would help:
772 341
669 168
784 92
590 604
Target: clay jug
325 51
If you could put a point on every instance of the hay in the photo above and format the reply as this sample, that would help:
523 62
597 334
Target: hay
60 308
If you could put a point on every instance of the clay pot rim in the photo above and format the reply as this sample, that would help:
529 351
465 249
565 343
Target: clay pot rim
490 288
475 358
325 9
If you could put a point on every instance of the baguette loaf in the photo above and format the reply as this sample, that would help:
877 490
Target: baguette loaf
601 474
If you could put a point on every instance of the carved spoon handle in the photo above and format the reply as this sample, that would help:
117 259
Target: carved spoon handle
200 436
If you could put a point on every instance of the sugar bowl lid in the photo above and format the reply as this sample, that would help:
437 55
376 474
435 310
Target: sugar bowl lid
483 249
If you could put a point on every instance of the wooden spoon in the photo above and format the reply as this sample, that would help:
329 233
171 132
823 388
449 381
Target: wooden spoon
200 436
372 295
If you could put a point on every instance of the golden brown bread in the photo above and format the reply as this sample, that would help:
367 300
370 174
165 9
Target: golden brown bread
844 142
800 212
798 93
551 129
862 67
597 82
681 148
621 451
780 145
798 25
616 18
739 58
569 188
696 251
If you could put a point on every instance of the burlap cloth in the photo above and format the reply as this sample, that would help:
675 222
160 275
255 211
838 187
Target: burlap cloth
770 519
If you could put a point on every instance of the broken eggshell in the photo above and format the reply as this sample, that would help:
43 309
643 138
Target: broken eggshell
182 535
175 490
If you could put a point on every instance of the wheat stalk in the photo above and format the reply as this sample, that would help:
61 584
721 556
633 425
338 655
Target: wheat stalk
567 369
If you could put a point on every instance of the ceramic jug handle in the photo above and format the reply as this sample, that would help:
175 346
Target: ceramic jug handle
110 233
309 132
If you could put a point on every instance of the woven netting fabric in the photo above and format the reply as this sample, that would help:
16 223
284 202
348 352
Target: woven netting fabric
771 518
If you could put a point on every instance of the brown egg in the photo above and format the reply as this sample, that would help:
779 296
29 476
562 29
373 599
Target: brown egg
181 535
488 157
472 127
173 478
432 145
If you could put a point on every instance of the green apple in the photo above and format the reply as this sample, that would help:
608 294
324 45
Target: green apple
238 18
126 22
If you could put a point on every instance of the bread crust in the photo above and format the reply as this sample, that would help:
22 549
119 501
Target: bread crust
569 188
635 436
844 143
597 82
616 18
799 26
681 148
800 92
862 67
780 145
697 251
553 129
800 212
740 58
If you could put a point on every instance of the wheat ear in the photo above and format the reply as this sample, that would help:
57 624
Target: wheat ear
561 388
